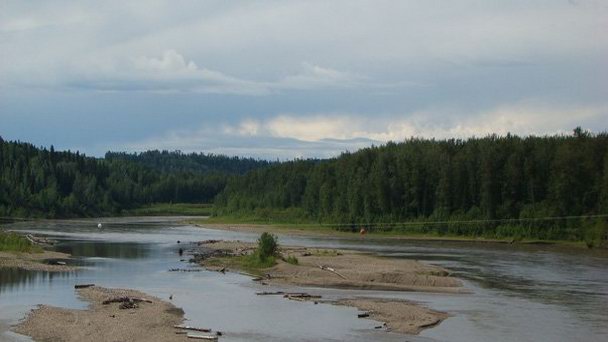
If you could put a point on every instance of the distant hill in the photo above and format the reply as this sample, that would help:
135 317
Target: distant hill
176 161
42 182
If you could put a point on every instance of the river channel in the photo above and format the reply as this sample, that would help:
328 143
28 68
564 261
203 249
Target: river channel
517 293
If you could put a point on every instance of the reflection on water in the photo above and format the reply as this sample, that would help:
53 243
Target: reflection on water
124 250
11 279
519 293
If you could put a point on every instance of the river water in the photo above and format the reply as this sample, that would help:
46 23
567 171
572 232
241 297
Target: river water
517 293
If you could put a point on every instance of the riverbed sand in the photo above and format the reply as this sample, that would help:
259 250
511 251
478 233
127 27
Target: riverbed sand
332 268
149 322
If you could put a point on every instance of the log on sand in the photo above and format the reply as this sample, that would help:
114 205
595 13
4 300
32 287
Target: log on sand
187 327
332 270
203 337
265 293
125 299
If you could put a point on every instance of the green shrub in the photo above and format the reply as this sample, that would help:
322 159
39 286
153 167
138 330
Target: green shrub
267 246
292 260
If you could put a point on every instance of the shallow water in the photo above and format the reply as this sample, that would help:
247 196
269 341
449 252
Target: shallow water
517 293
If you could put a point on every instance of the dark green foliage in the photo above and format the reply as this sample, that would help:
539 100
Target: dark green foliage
493 186
595 233
43 182
267 246
178 162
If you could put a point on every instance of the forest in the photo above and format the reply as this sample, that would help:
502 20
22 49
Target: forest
40 182
495 186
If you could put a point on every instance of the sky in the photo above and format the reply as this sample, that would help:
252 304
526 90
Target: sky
297 79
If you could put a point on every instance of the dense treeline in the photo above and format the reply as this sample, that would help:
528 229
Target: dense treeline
477 186
48 183
178 162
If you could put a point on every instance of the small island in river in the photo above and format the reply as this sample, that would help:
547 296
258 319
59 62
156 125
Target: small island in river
107 319
331 268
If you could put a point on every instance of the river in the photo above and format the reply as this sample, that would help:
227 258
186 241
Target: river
517 293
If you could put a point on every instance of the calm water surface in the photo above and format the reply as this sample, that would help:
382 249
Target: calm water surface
517 293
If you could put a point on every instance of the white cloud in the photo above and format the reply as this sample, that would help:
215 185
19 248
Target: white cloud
328 135
171 61
524 118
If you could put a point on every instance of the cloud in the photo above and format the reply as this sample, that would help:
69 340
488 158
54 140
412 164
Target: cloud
171 61
315 76
325 135
240 143
173 72
524 118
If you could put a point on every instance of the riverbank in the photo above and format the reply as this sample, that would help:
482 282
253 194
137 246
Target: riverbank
321 231
46 261
151 320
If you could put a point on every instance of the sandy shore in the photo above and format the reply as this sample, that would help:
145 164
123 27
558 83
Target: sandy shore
333 268
398 315
153 322
35 261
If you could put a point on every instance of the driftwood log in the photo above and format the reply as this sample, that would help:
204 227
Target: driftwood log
187 327
83 286
125 299
265 293
184 270
203 337
300 296
332 270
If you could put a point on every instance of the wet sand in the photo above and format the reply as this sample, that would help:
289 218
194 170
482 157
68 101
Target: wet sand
35 261
152 322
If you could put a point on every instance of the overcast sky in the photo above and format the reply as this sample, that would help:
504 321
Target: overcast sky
284 79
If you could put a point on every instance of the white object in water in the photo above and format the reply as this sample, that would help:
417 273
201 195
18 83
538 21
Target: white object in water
99 225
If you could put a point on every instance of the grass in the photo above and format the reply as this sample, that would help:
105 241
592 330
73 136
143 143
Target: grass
172 209
250 263
13 242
